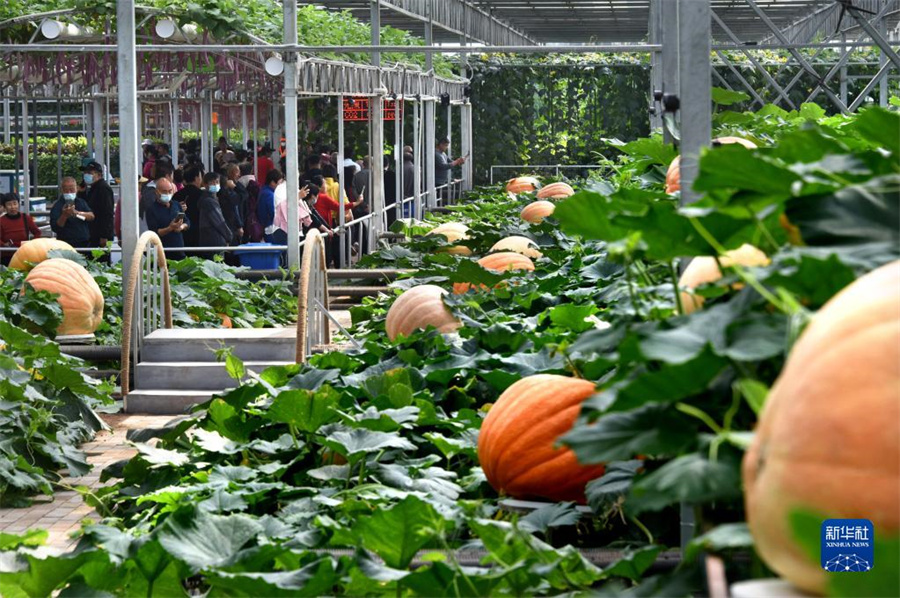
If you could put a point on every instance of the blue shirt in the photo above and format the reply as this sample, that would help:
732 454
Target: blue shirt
160 216
265 209
76 232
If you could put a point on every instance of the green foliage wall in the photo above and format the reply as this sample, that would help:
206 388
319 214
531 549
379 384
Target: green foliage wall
554 114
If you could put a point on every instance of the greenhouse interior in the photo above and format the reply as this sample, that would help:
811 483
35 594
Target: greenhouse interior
450 298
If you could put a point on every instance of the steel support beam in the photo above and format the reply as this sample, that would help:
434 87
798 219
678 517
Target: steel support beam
694 74
255 152
740 77
655 34
376 122
669 39
245 133
97 137
882 72
176 128
466 150
417 153
429 34
375 22
766 75
345 240
129 156
876 36
7 121
26 156
292 176
428 154
795 53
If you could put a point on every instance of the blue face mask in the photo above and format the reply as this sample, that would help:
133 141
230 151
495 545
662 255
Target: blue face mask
69 196
165 198
214 188
88 178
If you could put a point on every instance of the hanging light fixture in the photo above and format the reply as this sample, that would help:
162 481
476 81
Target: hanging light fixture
166 28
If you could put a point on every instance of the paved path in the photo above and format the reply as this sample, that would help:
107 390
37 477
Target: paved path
62 514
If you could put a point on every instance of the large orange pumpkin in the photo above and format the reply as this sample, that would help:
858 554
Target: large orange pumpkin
505 261
704 270
79 295
418 308
35 252
522 184
517 445
828 439
555 191
536 211
673 174
518 244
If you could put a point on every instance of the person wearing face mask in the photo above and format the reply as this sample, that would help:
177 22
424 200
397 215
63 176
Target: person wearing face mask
167 219
70 215
15 227
214 231
101 202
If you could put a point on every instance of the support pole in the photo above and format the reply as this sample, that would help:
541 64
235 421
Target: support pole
398 161
376 129
882 60
244 132
256 143
375 22
669 39
129 165
465 123
655 33
429 35
417 166
205 132
59 172
694 73
176 129
292 176
428 154
7 121
97 137
345 240
26 158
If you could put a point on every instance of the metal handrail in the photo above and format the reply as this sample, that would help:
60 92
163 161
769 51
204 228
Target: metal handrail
312 298
152 274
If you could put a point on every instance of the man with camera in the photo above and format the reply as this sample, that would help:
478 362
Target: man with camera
70 215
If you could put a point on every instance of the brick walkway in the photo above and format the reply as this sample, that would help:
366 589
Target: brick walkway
62 514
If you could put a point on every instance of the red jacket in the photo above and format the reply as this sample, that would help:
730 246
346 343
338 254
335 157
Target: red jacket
327 207
14 231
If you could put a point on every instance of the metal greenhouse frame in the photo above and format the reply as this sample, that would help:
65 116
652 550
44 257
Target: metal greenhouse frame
679 35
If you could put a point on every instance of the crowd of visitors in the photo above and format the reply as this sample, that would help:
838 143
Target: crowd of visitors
237 201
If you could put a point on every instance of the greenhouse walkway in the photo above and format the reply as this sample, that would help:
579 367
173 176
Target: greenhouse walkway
62 514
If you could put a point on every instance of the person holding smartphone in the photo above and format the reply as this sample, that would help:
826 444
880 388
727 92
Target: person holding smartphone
167 219
70 214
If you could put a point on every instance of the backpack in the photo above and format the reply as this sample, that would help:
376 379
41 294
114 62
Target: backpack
253 229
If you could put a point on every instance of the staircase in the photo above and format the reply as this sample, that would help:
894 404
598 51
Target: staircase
178 367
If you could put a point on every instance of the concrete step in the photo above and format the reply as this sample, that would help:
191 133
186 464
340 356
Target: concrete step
199 344
165 402
192 375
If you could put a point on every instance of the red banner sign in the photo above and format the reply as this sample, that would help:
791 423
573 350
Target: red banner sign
357 109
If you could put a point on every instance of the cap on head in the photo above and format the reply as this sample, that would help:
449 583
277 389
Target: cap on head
92 166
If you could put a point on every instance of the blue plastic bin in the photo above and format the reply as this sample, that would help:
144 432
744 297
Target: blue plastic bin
259 260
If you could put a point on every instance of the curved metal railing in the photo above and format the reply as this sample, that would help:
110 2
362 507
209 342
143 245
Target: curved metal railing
147 302
313 327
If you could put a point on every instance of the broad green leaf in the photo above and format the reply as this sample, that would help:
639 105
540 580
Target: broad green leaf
879 126
649 430
634 563
397 534
202 540
540 520
613 484
753 391
690 478
358 441
726 97
728 536
305 409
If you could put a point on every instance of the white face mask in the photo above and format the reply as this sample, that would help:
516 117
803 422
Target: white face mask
214 188
165 197
68 196
88 178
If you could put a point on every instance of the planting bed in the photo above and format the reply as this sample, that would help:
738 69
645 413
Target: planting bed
590 373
